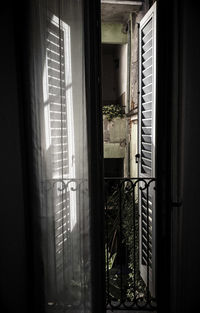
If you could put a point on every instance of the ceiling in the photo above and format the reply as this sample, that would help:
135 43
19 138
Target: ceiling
118 10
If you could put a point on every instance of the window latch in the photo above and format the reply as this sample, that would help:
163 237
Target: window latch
137 156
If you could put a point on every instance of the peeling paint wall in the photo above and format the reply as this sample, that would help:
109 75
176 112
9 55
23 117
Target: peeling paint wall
114 137
113 33
135 20
133 101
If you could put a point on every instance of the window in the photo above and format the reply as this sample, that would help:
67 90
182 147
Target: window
58 110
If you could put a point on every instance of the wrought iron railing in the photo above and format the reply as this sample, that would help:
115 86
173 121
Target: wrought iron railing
129 243
65 251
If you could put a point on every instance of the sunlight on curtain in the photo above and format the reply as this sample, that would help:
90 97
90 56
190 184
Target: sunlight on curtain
60 142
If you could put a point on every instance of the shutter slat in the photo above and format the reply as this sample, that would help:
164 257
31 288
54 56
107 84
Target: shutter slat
147 88
147 54
147 80
147 122
147 130
147 45
147 36
146 146
147 72
146 154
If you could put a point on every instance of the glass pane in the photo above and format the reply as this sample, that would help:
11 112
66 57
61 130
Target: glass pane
61 158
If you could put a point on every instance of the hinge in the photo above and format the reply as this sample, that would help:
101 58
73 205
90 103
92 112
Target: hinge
137 156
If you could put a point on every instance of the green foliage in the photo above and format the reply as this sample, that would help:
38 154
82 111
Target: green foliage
130 231
109 259
112 111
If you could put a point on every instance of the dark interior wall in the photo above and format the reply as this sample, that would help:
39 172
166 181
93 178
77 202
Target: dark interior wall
178 156
190 95
13 287
109 74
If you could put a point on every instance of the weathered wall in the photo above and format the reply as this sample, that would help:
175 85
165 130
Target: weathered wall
135 19
114 77
114 137
113 33
113 151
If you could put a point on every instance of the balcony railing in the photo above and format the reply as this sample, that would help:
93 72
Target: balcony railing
129 243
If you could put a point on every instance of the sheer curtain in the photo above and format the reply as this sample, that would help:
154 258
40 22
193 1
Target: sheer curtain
58 112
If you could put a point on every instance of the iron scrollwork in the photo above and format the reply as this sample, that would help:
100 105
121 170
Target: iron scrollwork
125 288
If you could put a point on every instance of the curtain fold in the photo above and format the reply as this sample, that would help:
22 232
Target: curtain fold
58 113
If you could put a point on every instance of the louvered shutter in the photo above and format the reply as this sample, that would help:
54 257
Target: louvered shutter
147 110
57 86
57 101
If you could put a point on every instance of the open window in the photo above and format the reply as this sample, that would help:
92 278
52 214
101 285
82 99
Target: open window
66 168
130 197
60 139
60 150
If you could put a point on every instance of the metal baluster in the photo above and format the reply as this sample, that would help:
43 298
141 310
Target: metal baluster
107 253
134 244
120 240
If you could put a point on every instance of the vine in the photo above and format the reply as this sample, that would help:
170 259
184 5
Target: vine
128 230
113 111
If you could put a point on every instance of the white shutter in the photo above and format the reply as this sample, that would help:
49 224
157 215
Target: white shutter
57 83
59 132
57 101
147 111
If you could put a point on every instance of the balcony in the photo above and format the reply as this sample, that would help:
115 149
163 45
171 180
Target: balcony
129 244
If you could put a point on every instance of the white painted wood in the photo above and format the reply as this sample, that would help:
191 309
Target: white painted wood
151 55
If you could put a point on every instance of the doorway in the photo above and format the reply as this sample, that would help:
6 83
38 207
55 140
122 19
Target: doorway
128 105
